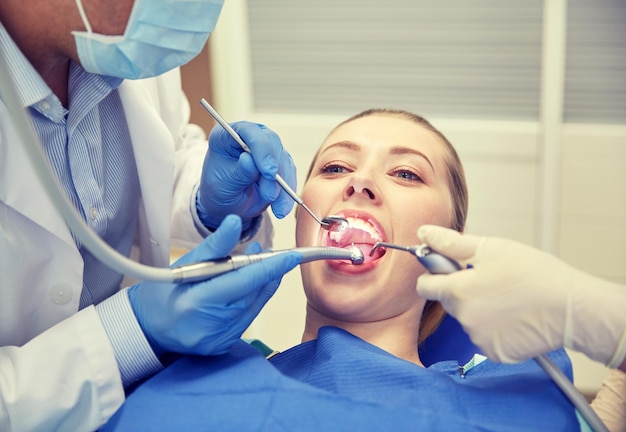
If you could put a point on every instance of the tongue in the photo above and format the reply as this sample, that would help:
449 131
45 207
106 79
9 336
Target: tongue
359 238
350 236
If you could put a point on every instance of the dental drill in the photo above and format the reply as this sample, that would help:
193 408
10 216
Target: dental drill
209 269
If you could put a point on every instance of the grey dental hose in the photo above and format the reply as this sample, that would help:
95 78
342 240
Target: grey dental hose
74 221
98 247
575 397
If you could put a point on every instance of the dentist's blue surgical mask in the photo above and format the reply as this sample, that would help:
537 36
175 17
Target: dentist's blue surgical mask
160 35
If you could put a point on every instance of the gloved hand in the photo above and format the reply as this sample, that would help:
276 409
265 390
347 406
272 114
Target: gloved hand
208 317
517 302
234 181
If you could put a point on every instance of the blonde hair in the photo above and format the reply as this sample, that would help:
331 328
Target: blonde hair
433 312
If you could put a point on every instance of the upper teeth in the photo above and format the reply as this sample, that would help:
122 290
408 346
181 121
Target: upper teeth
359 224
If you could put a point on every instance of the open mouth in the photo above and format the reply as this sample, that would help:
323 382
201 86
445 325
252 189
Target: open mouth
362 233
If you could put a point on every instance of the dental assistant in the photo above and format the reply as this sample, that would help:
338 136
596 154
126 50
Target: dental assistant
113 121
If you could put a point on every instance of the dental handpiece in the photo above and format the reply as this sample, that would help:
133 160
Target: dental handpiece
434 262
209 269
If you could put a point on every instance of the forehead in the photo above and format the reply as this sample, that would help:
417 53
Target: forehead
383 131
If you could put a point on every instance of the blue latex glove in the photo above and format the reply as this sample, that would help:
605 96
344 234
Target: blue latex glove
234 181
208 317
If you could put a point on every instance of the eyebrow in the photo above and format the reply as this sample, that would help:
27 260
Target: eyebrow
345 144
394 150
406 150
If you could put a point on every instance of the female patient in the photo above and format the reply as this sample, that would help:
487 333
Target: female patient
359 367
387 172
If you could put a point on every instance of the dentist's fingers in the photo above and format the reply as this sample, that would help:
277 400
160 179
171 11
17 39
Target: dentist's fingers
284 203
264 144
217 245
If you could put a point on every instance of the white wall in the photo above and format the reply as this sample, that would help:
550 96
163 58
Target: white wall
552 185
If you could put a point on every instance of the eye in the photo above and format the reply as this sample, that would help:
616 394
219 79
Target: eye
407 174
333 168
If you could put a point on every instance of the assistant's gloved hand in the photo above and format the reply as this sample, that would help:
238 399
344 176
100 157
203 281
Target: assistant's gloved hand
208 317
517 302
234 181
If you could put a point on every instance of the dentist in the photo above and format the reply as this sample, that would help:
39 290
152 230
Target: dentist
73 336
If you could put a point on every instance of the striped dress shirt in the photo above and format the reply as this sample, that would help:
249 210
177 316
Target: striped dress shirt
89 148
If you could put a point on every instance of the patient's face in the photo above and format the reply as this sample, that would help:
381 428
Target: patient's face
387 176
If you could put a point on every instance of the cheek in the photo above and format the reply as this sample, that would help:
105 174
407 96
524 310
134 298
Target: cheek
304 229
429 209
306 192
322 195
318 197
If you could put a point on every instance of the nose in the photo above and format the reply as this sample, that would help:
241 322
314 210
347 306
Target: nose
361 188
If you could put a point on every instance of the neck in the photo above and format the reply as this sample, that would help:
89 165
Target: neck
43 34
55 73
397 335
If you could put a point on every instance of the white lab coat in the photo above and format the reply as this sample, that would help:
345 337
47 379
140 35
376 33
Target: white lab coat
64 376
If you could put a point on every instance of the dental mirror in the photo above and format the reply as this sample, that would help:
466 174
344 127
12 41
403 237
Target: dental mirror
334 223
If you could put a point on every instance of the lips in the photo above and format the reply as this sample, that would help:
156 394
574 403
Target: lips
362 231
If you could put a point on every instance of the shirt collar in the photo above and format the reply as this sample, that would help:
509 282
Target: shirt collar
29 85
31 88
